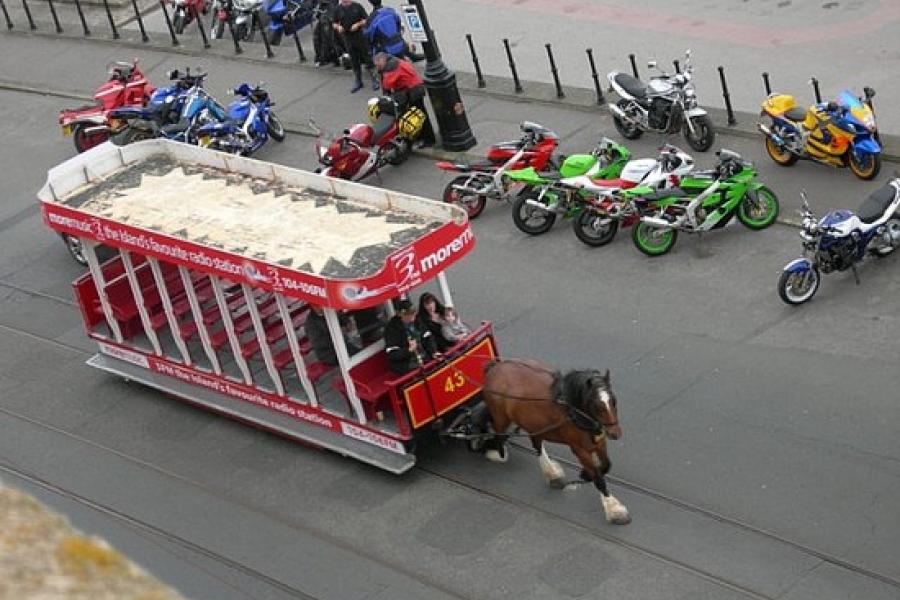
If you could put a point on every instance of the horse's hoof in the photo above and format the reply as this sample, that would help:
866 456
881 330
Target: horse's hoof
557 484
615 511
624 519
495 456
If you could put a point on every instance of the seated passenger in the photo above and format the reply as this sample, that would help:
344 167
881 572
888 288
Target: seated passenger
407 347
453 329
316 329
369 324
430 319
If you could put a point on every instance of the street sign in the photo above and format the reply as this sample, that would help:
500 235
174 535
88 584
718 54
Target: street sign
414 23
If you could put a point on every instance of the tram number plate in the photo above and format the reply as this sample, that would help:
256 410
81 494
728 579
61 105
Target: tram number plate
454 382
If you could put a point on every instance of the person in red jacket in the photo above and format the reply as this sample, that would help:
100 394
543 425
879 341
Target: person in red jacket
400 79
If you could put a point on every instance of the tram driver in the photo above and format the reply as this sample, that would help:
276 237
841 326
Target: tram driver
407 346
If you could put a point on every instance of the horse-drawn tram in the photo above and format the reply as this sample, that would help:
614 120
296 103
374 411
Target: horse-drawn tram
220 266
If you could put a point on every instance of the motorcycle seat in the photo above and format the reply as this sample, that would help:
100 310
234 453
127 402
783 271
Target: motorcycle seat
663 194
480 165
381 126
795 113
632 85
175 128
610 183
874 206
514 145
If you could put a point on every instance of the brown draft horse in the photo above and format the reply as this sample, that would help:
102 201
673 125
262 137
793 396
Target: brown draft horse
577 408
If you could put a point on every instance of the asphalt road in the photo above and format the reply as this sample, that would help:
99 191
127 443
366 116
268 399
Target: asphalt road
760 456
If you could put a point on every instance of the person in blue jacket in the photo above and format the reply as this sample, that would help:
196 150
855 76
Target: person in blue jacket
385 32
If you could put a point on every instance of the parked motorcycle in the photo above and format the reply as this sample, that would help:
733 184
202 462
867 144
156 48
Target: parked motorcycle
247 16
707 200
839 133
363 149
90 125
174 113
288 16
840 240
610 204
485 179
576 188
667 104
184 12
249 123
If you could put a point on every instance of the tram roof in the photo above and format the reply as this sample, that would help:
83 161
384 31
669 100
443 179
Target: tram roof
271 225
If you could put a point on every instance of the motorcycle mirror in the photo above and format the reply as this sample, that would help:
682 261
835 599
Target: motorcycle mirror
869 92
346 132
173 74
651 64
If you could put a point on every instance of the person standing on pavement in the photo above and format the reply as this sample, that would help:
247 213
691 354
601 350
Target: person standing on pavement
400 79
385 32
349 20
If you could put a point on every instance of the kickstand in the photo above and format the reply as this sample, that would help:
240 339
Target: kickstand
855 273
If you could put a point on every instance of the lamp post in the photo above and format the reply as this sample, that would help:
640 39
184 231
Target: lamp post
440 81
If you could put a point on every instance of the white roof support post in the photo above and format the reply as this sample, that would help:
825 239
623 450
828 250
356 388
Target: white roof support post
445 289
139 301
167 308
197 312
100 282
228 322
340 349
264 349
294 345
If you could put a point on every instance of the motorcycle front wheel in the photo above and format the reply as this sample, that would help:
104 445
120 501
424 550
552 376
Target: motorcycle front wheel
758 208
797 288
472 203
217 29
704 134
594 229
629 131
653 240
532 220
866 169
274 127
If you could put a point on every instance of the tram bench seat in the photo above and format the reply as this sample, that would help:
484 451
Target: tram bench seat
370 379
314 370
274 332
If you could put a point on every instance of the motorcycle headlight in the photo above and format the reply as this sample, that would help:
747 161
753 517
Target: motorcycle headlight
869 122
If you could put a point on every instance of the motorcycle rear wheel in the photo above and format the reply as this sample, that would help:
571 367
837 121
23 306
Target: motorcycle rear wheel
275 128
531 219
471 202
591 230
627 130
86 141
793 290
129 135
704 133
178 23
217 29
780 155
398 152
652 240
867 171
759 212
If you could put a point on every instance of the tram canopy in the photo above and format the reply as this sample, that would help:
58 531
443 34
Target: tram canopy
331 242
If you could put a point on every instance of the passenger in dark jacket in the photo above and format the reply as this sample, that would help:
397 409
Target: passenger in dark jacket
407 347
431 319
316 329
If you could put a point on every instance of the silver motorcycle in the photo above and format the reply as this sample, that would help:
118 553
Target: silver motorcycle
667 104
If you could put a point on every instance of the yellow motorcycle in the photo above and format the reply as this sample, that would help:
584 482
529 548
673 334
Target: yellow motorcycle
840 133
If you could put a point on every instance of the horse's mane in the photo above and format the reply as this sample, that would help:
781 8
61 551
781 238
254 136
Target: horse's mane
569 389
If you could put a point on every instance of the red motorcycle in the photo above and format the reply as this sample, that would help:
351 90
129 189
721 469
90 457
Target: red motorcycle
363 149
483 180
89 125
184 11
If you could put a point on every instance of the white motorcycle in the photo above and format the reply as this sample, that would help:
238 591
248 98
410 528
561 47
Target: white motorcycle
668 104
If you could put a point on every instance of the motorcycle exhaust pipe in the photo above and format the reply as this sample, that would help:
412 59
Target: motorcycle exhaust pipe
657 222
471 190
97 129
618 112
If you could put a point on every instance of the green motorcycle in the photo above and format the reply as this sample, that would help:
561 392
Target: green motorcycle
702 202
547 195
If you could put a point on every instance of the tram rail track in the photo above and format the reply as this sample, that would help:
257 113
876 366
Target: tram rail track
448 478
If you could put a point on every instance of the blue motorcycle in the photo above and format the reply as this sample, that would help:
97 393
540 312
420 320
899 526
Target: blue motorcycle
174 112
249 124
840 240
288 16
